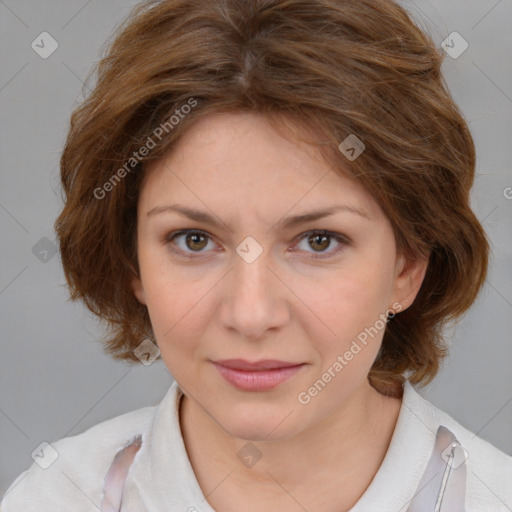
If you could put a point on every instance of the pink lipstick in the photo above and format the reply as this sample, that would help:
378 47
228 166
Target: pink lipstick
258 375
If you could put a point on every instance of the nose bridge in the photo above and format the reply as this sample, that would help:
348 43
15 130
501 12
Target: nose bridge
252 277
251 304
251 274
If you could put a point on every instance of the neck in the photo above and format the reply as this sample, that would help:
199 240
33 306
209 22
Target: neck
345 449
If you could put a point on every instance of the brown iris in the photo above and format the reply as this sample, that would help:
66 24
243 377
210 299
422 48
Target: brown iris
322 238
195 237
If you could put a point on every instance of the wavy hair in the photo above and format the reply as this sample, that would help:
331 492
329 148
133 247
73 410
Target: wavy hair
329 68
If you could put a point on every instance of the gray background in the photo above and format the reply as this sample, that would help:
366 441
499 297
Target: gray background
55 380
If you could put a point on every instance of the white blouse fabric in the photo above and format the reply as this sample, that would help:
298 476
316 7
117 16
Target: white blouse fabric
137 462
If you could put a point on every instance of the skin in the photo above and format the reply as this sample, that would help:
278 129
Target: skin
284 305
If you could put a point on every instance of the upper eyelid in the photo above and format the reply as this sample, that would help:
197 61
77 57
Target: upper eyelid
177 232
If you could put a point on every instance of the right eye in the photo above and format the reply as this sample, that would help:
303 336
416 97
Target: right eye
192 241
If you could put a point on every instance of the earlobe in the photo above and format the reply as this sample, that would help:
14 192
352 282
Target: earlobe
410 275
138 290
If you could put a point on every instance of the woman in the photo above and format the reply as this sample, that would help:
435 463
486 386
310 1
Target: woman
274 196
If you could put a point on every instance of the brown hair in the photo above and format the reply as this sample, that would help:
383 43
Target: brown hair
333 68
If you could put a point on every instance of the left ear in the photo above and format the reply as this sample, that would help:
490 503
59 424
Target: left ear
409 274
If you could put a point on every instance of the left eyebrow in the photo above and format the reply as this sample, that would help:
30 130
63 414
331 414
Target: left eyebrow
289 222
296 220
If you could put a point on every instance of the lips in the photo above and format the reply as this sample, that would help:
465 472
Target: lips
256 376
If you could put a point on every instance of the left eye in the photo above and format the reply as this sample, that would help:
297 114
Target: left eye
322 240
195 241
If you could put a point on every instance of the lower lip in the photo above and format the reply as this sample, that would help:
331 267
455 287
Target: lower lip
257 380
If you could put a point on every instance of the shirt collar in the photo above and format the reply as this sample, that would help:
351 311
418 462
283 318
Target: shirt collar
165 479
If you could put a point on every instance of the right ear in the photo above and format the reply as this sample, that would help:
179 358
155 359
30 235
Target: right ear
138 290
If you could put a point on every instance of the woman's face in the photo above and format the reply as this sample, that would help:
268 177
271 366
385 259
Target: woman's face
245 282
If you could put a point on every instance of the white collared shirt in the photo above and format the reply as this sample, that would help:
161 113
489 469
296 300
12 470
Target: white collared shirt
432 464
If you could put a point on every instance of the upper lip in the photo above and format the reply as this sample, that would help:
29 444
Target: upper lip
264 364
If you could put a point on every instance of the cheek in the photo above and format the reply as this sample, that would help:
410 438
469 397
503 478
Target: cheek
177 302
175 313
175 316
347 305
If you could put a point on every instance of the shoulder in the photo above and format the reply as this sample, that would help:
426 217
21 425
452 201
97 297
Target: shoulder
488 469
70 472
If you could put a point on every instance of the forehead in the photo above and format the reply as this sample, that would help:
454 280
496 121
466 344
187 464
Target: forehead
238 159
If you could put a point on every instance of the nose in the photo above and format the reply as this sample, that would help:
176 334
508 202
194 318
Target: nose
253 299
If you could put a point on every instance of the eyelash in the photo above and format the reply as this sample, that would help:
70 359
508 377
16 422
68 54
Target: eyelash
342 240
